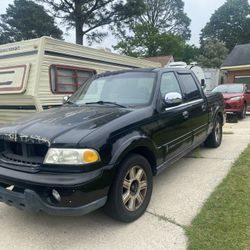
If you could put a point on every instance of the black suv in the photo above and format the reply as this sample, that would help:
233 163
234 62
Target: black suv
103 147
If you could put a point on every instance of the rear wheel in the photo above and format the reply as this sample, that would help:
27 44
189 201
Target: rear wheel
242 114
131 191
215 138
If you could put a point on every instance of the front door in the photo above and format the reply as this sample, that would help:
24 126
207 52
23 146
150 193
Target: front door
173 134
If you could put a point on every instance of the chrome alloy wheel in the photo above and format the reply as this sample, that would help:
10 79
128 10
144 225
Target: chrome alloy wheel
218 132
134 188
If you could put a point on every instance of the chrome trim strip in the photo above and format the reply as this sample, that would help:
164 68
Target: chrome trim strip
185 104
180 142
185 137
204 125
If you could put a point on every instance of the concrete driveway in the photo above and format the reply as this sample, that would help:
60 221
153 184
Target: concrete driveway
177 197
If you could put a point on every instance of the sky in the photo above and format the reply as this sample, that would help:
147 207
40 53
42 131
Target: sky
199 11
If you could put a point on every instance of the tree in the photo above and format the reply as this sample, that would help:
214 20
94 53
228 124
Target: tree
189 54
148 41
212 53
86 16
229 24
166 16
162 29
26 20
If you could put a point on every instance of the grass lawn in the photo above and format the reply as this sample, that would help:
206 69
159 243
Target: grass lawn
224 220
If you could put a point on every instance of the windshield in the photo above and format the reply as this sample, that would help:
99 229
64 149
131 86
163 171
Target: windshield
229 88
128 89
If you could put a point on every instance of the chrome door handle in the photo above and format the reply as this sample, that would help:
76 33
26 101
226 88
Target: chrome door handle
185 114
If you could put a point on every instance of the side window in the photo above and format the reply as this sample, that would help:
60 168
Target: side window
191 89
169 83
67 79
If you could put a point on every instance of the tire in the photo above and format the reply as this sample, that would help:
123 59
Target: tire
215 138
242 114
131 190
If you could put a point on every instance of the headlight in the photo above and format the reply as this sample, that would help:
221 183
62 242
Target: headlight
236 98
68 156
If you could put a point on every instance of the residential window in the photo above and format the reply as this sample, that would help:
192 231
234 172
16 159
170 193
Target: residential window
67 79
242 79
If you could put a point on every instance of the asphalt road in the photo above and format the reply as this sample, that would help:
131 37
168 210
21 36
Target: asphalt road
177 197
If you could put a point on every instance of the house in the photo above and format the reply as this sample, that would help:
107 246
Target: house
163 60
237 65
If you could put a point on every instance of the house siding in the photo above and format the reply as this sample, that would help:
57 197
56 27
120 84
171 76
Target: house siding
232 74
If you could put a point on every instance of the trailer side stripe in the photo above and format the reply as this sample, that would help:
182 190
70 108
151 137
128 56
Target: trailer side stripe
18 107
27 53
52 53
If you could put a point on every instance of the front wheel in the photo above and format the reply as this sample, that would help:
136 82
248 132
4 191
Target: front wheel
242 114
131 191
215 138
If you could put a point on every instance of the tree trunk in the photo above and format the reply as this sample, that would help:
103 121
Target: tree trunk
79 34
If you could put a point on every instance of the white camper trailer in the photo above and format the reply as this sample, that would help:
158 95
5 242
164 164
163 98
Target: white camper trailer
198 71
36 74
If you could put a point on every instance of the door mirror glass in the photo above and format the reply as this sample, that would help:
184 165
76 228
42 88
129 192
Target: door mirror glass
65 99
172 99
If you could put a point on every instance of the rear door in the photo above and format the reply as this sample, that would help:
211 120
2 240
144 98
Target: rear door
196 107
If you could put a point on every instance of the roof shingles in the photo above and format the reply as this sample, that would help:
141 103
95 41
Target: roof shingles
239 56
163 60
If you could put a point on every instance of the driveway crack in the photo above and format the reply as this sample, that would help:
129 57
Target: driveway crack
165 218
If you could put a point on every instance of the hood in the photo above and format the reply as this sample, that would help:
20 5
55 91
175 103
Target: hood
230 95
70 123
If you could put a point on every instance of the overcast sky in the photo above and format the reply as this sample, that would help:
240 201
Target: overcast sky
199 11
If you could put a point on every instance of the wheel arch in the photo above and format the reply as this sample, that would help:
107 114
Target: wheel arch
143 147
220 115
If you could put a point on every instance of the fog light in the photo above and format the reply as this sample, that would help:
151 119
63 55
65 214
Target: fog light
56 195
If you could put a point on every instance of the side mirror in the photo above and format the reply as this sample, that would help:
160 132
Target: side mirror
65 99
172 99
203 84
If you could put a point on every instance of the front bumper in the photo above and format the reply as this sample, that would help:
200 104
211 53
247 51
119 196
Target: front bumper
80 193
233 110
233 106
30 200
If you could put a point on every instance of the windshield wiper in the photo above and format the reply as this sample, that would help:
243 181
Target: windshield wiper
70 103
104 102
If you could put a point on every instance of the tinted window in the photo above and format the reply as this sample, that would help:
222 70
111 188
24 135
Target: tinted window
169 84
191 89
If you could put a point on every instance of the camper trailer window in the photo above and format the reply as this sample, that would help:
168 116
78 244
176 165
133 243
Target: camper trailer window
67 79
